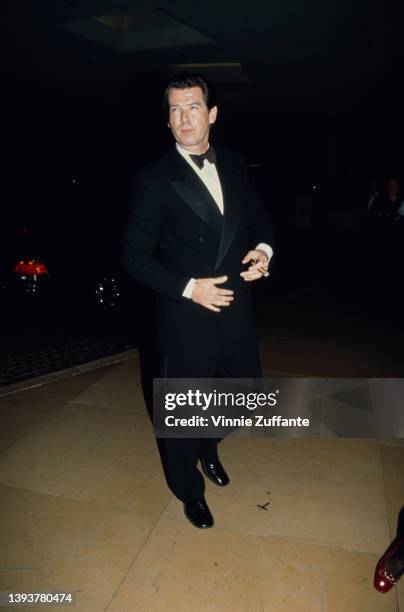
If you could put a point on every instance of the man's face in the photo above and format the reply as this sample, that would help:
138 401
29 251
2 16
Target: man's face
392 187
190 119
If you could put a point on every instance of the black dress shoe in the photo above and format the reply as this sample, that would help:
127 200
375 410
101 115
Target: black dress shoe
215 472
198 513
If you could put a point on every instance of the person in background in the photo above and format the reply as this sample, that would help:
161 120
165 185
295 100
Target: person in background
388 205
390 567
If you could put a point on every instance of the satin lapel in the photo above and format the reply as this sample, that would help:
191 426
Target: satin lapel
231 201
193 191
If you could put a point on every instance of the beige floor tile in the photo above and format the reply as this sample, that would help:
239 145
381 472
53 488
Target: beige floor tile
89 452
351 461
50 543
97 489
118 389
327 491
393 472
130 363
116 386
392 441
321 512
65 388
400 595
142 490
393 465
181 568
19 417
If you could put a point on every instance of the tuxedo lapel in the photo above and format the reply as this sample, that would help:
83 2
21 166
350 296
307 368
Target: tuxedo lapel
231 202
195 193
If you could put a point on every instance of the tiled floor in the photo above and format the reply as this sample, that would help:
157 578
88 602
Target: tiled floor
57 355
84 507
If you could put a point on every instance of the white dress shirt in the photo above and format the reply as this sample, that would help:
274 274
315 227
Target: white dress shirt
208 174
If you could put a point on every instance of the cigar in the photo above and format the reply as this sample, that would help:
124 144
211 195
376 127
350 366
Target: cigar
261 269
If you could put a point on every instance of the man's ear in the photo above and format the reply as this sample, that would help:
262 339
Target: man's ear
212 114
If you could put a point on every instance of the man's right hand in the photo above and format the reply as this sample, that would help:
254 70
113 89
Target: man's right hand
208 295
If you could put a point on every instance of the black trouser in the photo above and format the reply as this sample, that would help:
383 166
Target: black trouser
179 456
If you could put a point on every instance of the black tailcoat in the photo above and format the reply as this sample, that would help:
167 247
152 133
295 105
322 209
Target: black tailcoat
176 232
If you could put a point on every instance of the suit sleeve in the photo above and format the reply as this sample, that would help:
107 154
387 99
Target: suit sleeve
140 244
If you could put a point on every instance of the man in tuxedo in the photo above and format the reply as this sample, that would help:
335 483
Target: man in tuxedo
194 222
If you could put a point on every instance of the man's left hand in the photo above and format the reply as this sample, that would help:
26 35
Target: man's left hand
259 265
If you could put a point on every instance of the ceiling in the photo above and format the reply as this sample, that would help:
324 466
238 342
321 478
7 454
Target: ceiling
291 56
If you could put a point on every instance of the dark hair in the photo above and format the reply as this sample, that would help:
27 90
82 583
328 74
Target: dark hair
184 80
392 177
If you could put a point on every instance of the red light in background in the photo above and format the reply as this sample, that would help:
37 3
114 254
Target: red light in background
31 267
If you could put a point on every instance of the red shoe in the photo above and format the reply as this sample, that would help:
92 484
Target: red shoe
385 576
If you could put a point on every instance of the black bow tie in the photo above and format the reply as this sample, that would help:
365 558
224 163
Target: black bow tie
210 155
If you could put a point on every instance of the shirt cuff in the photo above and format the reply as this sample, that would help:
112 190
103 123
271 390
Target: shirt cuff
189 289
266 248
